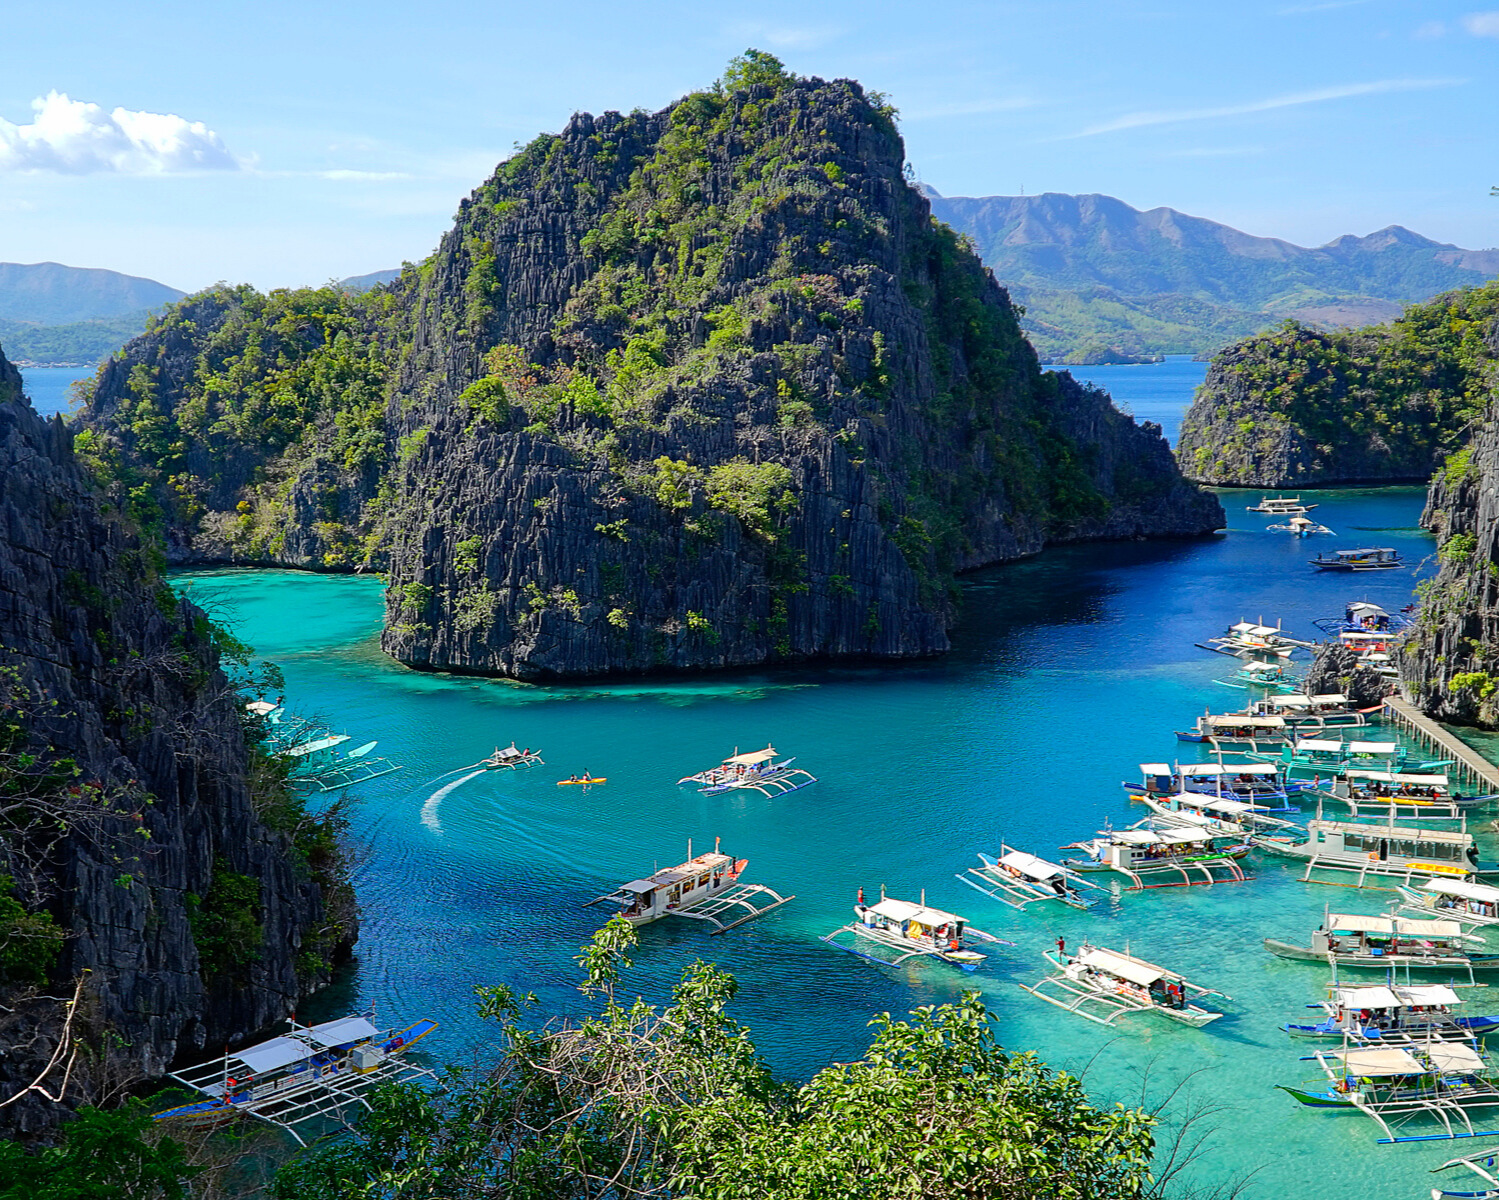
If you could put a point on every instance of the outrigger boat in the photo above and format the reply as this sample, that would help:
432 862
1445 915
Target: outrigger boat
1299 525
1381 559
511 759
1279 506
705 888
1311 713
1223 815
912 931
310 1072
311 754
1238 731
1253 783
1395 795
1484 1164
1247 639
1456 899
1383 851
1355 941
1364 617
1190 856
1394 1085
1271 676
1323 756
756 771
1019 879
1394 1013
1115 985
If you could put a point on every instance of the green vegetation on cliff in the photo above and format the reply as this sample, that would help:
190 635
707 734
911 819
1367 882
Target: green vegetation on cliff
1297 407
694 388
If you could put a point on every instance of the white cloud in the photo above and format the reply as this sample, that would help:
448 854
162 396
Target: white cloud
1431 29
785 37
1482 24
76 138
1171 117
969 108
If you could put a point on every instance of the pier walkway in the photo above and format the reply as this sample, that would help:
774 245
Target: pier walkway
1469 763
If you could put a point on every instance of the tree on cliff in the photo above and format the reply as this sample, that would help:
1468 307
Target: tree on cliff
638 1101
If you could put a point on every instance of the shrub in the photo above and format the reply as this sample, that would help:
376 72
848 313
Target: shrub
753 492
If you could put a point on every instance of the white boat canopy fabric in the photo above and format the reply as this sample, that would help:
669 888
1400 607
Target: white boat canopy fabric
1117 964
337 1033
752 758
1454 1056
1368 997
1359 923
1461 887
1379 1062
1031 866
1427 993
1407 927
1380 748
1318 745
904 910
278 1052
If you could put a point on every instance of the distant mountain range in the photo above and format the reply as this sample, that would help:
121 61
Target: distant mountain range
50 313
1102 280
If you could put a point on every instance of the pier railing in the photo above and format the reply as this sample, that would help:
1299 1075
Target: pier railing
1468 764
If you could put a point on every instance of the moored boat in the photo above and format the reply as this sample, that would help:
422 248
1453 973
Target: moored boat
1309 714
911 931
1266 676
1382 558
1220 814
704 888
1357 941
755 770
1279 506
1168 857
1102 985
1299 525
1020 879
1378 850
1391 1013
1455 899
1254 783
1265 732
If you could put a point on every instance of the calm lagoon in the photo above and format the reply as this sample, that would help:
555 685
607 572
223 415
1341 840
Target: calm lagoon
1067 671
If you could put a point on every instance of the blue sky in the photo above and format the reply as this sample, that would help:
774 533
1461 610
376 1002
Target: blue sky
286 143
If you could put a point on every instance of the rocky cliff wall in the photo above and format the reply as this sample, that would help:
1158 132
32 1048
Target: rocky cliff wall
1450 665
191 922
699 388
1298 407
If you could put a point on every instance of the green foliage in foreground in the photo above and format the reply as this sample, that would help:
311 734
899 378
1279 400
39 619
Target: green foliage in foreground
674 1101
102 1156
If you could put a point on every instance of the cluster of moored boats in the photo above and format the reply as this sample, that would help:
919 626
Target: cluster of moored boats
1295 520
312 753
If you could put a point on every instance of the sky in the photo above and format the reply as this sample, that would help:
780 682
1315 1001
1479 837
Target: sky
283 143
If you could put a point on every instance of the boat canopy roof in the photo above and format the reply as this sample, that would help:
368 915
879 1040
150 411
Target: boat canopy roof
314 747
753 758
1220 804
1256 668
1461 887
1426 993
339 1032
1367 608
303 1043
904 910
1397 777
1250 627
1203 769
1365 551
1244 721
1368 997
1155 837
1415 927
261 708
1379 1062
1359 923
1155 768
1031 866
1318 745
1373 747
1363 635
1448 837
1110 963
1297 700
1454 1056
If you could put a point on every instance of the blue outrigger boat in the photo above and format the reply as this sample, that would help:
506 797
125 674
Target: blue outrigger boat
1392 1013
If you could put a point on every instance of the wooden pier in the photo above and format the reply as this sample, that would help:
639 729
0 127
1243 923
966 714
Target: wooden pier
1468 764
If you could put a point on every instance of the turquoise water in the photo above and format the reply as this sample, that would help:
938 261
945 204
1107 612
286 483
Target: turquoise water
1156 392
1067 671
50 387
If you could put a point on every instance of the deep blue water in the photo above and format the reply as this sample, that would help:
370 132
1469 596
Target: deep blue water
1067 671
50 387
1158 392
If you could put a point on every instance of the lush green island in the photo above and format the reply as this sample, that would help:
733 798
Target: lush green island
1298 407
1097 277
700 388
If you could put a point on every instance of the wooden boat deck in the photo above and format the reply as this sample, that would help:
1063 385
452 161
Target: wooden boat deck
1467 760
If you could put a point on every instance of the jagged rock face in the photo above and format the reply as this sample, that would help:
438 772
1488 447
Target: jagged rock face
699 388
1335 669
142 708
1449 665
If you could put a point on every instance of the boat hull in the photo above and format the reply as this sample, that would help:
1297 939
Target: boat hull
1382 962
1316 1099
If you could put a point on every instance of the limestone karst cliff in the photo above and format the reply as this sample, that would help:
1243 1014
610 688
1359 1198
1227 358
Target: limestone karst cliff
1450 664
699 388
136 856
1299 407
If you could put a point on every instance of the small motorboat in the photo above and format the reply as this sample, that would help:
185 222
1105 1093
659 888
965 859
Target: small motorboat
1298 527
1279 506
511 759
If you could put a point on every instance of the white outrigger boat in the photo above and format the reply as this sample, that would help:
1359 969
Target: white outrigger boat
1246 639
1279 506
1455 899
1222 815
1254 783
705 888
509 758
308 1073
1389 1014
1312 714
1188 856
310 751
1484 1164
1383 851
1299 525
1270 676
1395 1085
1264 732
756 771
1115 985
1401 796
1020 879
1357 941
911 931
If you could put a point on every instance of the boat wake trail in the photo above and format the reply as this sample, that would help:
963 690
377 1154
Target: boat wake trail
429 809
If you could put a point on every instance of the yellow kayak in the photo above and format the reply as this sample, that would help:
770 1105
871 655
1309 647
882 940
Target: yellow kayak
572 782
